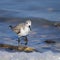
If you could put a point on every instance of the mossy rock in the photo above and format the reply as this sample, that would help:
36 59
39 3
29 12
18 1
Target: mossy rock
17 48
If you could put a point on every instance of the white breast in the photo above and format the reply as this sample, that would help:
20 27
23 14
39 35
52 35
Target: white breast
24 32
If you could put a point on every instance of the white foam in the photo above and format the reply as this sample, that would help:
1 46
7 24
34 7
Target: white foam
4 55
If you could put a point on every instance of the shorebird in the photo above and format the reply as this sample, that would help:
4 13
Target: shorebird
22 30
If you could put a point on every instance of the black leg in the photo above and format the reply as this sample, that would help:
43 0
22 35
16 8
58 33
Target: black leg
18 41
26 40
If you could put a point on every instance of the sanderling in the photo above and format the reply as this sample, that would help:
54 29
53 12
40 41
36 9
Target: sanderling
22 30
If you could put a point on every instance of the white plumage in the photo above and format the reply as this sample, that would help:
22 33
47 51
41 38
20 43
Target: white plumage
22 29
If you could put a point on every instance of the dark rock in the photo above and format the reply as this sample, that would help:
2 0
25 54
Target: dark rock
49 41
57 24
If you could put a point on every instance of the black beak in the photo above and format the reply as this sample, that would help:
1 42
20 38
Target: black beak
30 27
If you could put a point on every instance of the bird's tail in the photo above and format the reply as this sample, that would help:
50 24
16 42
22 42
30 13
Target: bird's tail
11 26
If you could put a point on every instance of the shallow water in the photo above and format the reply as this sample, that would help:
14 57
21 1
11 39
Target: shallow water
41 30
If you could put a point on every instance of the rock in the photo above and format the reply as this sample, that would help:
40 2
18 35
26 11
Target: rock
49 41
57 24
29 49
17 48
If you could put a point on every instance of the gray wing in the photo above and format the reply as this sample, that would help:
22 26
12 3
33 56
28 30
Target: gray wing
18 28
17 31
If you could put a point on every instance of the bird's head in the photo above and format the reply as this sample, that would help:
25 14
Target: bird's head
28 23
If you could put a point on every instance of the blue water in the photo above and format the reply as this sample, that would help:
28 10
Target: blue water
42 29
47 9
40 33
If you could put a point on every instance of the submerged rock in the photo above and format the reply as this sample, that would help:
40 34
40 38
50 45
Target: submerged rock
49 41
17 48
57 24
